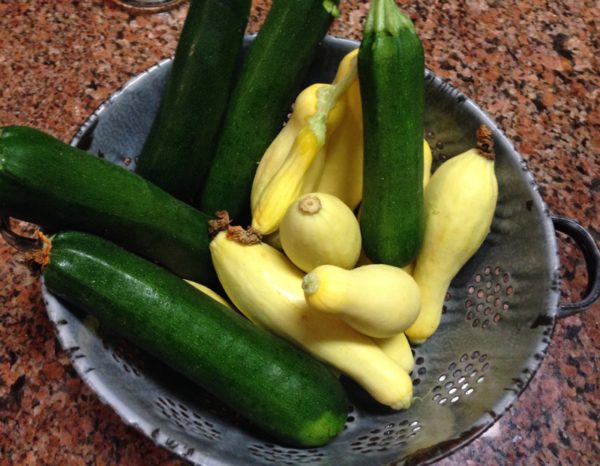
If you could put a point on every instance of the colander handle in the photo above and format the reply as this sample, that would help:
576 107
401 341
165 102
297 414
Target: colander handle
591 255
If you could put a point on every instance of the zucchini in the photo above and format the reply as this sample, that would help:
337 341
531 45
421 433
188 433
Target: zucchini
179 147
50 183
391 71
271 75
278 387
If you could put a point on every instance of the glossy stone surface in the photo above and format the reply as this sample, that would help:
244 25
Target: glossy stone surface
532 66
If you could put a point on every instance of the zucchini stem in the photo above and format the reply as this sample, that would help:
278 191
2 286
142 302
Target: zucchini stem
331 8
19 242
385 16
34 251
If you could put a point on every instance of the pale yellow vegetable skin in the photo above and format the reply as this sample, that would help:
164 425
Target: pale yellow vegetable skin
273 239
207 291
304 107
343 171
398 348
287 183
460 201
319 229
263 283
427 161
294 174
377 300
364 260
313 175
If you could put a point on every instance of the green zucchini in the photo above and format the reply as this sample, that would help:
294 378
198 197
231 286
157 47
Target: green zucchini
50 183
273 71
179 147
281 389
391 72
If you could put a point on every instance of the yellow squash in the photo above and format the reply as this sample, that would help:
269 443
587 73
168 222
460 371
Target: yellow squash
320 229
343 171
427 161
264 284
207 291
398 348
377 300
288 181
364 260
304 107
460 201
273 239
314 173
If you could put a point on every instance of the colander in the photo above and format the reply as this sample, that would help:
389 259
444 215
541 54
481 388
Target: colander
498 320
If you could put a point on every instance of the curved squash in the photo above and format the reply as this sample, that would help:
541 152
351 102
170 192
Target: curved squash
460 201
378 300
265 285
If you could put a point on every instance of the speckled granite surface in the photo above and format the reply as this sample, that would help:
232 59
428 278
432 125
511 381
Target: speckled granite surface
533 66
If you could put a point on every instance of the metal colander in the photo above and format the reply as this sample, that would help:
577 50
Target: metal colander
498 320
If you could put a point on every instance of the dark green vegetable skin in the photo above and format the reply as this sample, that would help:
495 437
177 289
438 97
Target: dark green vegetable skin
281 389
177 153
391 72
47 182
270 77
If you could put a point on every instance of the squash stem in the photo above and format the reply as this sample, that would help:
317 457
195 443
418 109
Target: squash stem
221 223
327 97
485 143
242 235
310 283
310 205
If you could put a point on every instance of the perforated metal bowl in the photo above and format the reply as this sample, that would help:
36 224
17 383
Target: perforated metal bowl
506 296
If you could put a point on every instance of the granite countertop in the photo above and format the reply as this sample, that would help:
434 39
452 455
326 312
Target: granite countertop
532 66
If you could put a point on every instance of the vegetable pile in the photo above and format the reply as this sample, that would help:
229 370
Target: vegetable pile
351 246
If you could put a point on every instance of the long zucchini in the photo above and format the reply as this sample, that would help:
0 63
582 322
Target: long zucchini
270 382
391 73
269 80
178 150
47 182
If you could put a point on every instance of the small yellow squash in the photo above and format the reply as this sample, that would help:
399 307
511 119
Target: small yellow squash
460 201
293 176
320 229
427 161
398 348
305 106
267 287
207 291
378 300
343 171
